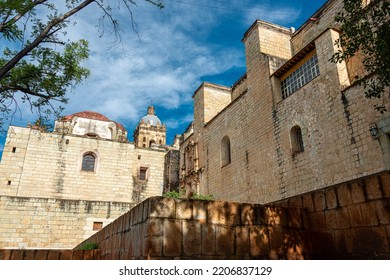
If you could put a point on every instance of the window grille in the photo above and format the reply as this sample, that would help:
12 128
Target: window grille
88 162
300 77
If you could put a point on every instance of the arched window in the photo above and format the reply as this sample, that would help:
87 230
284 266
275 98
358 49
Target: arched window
225 151
296 140
89 162
151 142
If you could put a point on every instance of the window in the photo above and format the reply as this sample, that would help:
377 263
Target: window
89 160
151 143
97 225
296 140
225 151
142 173
300 77
144 139
14 149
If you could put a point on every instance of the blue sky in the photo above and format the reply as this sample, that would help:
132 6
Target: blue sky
177 48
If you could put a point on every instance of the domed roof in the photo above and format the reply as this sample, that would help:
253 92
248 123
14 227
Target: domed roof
151 118
92 116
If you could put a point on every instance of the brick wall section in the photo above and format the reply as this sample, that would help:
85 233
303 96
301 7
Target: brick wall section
164 228
350 220
49 254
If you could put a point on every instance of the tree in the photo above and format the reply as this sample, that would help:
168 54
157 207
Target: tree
39 65
365 30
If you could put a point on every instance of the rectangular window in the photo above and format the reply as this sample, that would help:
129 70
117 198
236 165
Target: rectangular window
14 149
300 77
142 173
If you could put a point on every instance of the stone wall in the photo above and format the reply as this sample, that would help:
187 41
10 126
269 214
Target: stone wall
165 228
53 223
49 255
345 221
39 164
349 220
332 113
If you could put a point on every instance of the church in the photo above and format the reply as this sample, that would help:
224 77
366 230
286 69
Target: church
59 187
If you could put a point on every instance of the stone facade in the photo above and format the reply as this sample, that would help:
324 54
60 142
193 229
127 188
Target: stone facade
59 187
294 123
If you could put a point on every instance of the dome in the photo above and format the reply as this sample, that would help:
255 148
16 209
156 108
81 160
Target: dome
152 120
92 116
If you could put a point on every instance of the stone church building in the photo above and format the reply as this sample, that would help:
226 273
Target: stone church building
293 123
57 188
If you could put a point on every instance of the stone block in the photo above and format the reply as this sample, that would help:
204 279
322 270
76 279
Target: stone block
343 219
233 214
373 188
331 219
383 211
307 202
259 242
273 216
199 210
344 194
5 254
294 218
331 198
154 227
295 201
191 238
385 183
216 212
66 255
161 207
372 240
357 192
184 209
17 255
78 254
224 237
172 238
153 247
369 213
242 242
355 215
208 239
247 214
319 201
29 254
317 220
345 242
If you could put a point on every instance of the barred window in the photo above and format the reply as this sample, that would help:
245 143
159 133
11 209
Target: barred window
88 164
300 77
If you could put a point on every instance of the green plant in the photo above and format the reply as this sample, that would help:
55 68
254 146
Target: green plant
89 246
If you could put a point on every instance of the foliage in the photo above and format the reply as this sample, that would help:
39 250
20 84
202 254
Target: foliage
365 28
89 246
38 65
181 194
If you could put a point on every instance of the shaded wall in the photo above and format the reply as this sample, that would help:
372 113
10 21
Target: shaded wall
49 254
346 221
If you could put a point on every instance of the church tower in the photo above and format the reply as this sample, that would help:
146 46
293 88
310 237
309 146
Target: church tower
150 131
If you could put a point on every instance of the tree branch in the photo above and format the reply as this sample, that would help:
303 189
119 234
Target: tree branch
54 22
13 20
